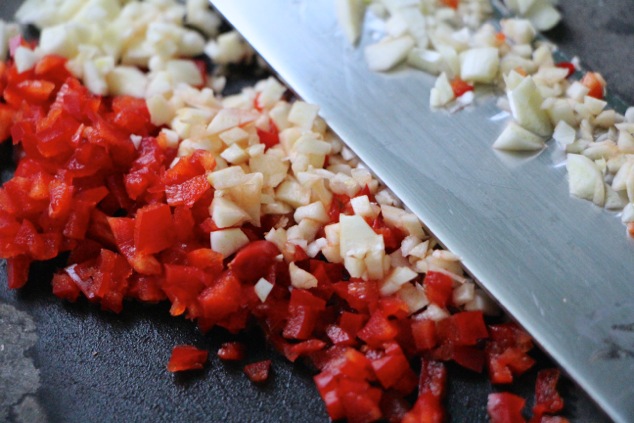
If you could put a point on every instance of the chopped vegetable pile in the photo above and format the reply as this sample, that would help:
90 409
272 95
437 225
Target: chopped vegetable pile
459 42
235 210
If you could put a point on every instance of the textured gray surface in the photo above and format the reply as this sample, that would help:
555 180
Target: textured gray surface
98 366
601 33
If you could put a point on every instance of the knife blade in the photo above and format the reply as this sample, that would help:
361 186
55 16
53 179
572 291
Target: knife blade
560 266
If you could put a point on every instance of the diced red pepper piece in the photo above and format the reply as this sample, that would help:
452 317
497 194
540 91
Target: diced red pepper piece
304 348
352 322
570 67
52 68
187 192
18 271
359 404
362 296
460 87
146 288
254 261
61 194
222 298
504 407
427 409
595 83
506 352
424 332
338 336
7 114
186 357
64 287
303 298
464 328
207 259
438 288
547 399
451 3
123 231
301 323
390 368
183 285
469 357
258 372
392 237
232 351
36 90
271 137
132 115
153 229
378 330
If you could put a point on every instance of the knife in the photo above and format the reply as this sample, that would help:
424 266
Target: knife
560 266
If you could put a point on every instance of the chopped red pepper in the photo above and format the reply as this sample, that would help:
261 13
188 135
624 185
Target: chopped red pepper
258 372
595 83
569 66
504 407
254 261
231 351
451 3
460 87
547 399
438 288
186 357
269 137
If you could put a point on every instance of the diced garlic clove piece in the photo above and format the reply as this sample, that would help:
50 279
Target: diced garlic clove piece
227 177
585 180
525 102
303 114
300 278
262 289
615 200
356 237
482 302
395 279
429 61
248 196
564 134
388 53
225 213
350 17
516 138
228 241
127 80
314 211
414 296
293 193
463 294
543 15
480 65
442 92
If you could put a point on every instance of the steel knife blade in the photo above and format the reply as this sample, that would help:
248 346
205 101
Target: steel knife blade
561 266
